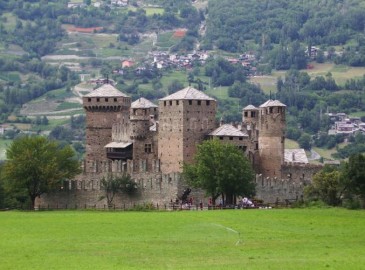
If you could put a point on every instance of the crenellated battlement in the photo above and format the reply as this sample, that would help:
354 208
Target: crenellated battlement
119 166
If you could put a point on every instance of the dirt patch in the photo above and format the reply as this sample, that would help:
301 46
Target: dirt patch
180 33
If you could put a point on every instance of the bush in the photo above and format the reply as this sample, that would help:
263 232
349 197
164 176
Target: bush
143 207
351 203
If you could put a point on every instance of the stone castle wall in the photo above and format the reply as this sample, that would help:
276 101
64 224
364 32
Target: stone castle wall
162 189
288 187
86 191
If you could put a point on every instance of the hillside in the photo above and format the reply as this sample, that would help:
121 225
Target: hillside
309 54
231 25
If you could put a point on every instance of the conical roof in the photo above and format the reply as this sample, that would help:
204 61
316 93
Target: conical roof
188 93
106 90
143 103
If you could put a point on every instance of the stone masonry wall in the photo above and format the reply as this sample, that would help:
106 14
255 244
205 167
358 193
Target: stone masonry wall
170 135
289 187
198 122
153 188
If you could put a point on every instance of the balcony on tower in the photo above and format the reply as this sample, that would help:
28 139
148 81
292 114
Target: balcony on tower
119 150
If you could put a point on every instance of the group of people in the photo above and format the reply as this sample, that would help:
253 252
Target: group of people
245 203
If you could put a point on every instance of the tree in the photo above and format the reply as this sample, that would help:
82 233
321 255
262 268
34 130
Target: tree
38 165
354 172
113 185
220 169
326 186
305 141
174 86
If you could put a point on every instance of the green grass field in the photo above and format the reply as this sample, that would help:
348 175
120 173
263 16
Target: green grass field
225 239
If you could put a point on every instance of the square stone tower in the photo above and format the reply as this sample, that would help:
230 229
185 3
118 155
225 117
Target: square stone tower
106 106
186 118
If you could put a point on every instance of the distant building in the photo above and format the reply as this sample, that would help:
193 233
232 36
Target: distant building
127 63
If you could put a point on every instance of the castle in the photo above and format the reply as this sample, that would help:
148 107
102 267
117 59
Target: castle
151 143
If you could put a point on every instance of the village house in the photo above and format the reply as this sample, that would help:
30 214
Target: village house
127 63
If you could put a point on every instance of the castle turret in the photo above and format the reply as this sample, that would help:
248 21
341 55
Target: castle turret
105 107
142 118
250 116
271 137
186 117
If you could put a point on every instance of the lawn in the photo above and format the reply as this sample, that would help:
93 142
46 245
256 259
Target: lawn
291 144
222 239
267 83
150 11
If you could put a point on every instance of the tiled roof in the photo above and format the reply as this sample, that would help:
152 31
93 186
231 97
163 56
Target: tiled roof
295 155
228 130
106 90
143 103
188 93
272 103
250 107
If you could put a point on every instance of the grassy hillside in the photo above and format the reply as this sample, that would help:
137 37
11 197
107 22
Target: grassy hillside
340 74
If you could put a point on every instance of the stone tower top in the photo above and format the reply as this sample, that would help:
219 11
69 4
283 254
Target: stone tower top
250 108
188 93
106 90
272 103
143 103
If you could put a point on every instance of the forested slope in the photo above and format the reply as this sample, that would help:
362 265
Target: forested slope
231 24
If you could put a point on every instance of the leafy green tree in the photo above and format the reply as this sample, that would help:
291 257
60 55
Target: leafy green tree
38 165
113 185
305 141
220 169
44 120
354 173
326 186
175 86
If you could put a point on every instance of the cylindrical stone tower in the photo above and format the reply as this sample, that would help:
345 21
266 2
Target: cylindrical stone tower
250 116
271 137
142 110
